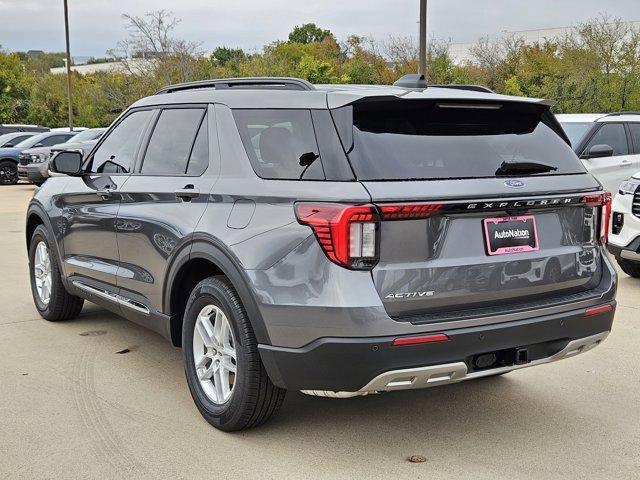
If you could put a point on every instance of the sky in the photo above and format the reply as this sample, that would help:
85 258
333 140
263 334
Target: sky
96 25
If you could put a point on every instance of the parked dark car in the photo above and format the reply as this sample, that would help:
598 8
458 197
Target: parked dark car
334 240
34 162
10 157
9 128
12 139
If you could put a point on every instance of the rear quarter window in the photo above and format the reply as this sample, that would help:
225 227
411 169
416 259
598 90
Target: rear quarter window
281 144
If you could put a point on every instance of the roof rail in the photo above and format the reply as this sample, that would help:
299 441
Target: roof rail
619 114
266 83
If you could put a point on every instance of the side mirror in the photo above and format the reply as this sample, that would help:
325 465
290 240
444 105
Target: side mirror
600 151
38 145
67 163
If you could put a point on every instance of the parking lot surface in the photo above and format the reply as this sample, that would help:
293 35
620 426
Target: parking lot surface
71 406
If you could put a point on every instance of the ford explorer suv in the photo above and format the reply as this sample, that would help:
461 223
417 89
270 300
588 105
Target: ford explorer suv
607 144
10 156
335 240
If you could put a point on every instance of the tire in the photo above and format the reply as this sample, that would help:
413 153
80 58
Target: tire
8 172
630 268
253 398
60 305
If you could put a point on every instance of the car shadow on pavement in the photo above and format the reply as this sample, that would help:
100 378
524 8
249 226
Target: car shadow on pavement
496 413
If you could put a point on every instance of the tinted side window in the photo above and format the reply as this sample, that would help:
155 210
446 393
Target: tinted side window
54 140
611 134
17 140
281 144
635 134
170 145
199 160
116 153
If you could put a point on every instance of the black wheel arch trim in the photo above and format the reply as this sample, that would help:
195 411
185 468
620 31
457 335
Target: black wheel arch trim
37 209
207 247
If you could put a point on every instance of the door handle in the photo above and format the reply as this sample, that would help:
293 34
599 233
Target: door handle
104 193
625 163
187 193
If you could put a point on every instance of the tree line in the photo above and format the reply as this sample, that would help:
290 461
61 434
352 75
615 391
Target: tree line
596 68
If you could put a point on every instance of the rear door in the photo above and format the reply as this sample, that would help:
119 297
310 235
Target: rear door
164 200
611 171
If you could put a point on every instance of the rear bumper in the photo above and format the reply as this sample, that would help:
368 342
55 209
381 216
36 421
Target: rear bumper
361 365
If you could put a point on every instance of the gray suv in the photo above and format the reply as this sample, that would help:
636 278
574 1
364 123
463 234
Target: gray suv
334 240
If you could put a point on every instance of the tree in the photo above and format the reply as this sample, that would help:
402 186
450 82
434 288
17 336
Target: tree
308 33
15 88
165 59
225 55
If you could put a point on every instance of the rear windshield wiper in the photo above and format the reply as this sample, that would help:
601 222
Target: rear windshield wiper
524 168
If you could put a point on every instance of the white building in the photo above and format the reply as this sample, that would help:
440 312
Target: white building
460 52
130 64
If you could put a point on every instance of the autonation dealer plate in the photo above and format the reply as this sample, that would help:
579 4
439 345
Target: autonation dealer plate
510 234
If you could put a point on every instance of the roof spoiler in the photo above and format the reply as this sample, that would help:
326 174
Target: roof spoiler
415 80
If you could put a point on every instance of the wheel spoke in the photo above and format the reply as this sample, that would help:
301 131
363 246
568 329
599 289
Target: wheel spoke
228 365
206 373
218 383
205 329
218 327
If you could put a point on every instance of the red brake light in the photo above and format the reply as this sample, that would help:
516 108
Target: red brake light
409 211
602 200
436 337
605 219
346 233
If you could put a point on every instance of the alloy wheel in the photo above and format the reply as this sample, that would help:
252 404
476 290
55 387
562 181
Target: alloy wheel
42 272
214 354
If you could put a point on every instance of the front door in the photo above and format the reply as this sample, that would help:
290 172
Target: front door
90 204
611 171
163 202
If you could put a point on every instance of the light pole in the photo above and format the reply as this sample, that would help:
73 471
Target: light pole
422 69
66 35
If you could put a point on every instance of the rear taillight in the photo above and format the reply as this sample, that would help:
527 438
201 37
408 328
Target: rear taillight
602 200
409 211
347 233
605 219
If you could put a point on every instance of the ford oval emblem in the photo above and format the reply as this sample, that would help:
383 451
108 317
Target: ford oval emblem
514 183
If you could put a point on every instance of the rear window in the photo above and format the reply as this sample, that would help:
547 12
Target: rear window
281 144
415 139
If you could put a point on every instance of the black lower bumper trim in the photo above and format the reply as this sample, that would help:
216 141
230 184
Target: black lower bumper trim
348 364
616 251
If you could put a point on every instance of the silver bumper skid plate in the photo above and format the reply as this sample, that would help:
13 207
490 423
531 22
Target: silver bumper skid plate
431 376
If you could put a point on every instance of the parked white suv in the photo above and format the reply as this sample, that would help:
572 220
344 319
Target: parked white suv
607 144
624 230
